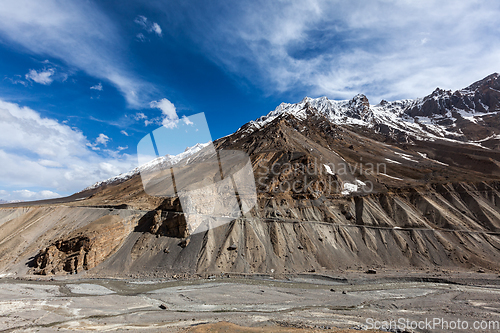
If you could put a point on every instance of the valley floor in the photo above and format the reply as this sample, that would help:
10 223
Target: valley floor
300 303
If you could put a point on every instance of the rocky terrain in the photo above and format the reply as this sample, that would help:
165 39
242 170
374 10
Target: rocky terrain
363 213
346 302
341 185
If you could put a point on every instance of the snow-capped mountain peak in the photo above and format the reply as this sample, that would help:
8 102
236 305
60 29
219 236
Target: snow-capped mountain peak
153 164
444 114
466 116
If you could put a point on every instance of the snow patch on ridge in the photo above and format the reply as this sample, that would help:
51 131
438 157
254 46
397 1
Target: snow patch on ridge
167 159
349 188
329 170
394 115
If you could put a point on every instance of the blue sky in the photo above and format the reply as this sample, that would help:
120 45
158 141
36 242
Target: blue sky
83 81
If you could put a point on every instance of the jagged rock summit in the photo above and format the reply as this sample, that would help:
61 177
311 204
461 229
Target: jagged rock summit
465 115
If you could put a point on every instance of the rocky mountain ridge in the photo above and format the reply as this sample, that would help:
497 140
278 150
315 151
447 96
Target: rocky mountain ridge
468 115
160 160
433 203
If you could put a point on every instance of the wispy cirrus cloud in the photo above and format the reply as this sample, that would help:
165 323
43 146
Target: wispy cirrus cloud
385 49
17 79
77 33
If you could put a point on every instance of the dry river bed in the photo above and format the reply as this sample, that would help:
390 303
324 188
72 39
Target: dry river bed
301 303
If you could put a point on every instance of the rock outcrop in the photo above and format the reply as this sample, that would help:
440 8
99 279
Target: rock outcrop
83 249
331 196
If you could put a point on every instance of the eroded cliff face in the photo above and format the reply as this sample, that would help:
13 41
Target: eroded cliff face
446 225
60 239
452 226
84 248
165 220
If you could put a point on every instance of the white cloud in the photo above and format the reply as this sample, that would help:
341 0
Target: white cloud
42 152
46 194
77 33
168 110
156 28
50 163
386 49
149 122
18 80
102 139
43 76
142 21
140 116
140 37
124 133
109 168
148 26
97 87
30 195
187 121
